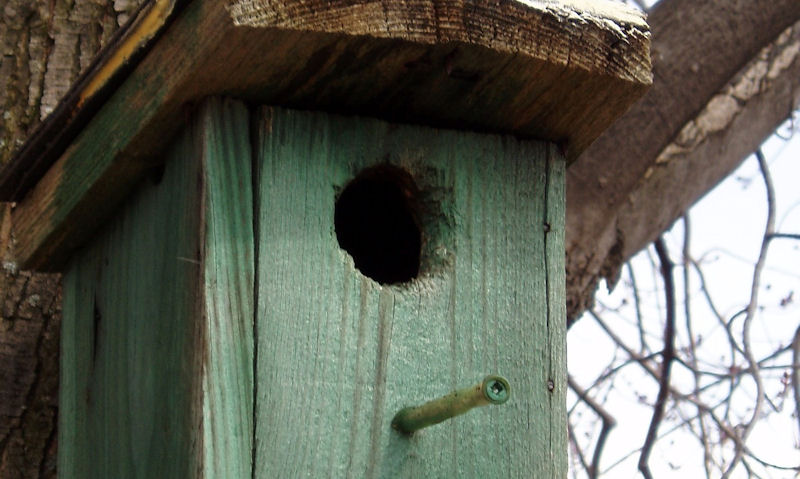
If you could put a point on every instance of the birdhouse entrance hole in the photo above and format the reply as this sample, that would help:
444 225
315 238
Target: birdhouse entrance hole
377 222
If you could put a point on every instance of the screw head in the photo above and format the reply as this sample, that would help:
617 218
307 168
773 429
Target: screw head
496 389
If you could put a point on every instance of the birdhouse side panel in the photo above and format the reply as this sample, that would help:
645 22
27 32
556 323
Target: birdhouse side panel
129 338
157 334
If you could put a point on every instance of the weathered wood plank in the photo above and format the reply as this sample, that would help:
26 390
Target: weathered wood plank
157 338
129 339
228 288
338 354
527 68
555 237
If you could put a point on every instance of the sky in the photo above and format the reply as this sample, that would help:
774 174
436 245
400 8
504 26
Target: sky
727 227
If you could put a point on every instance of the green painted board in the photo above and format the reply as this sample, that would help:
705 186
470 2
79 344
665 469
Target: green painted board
216 330
228 287
337 354
157 361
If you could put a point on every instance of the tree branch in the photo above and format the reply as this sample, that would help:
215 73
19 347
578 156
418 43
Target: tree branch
685 135
703 437
783 236
796 375
751 311
608 423
666 358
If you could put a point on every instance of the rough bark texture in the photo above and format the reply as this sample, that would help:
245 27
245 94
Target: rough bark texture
29 340
633 181
623 191
45 44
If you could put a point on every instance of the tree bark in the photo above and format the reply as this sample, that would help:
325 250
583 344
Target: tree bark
719 90
727 72
45 45
29 339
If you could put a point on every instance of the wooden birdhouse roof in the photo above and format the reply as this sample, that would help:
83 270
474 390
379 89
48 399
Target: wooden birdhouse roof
554 70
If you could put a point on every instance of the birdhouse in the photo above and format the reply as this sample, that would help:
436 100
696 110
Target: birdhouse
309 238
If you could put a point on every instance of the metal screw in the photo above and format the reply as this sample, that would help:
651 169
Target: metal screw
492 390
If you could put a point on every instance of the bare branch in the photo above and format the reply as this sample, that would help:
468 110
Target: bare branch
783 236
576 447
637 304
666 357
751 311
796 374
608 423
703 436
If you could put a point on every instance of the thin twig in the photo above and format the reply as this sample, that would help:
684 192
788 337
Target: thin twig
796 374
608 423
783 236
725 325
751 311
666 357
722 425
637 304
576 447
687 255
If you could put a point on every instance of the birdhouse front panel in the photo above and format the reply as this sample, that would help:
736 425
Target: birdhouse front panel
396 264
271 300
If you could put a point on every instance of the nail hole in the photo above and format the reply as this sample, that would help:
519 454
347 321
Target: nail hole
376 222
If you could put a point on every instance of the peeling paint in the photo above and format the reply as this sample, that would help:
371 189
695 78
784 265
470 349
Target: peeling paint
149 26
725 106
718 113
784 59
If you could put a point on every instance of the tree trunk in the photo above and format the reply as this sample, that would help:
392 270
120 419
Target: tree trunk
704 114
45 45
29 337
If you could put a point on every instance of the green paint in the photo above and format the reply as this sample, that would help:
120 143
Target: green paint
128 365
496 389
228 280
338 354
158 317
108 158
159 343
556 360
492 390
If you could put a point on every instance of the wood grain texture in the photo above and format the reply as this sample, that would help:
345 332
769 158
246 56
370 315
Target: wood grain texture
228 288
130 340
453 73
338 354
158 316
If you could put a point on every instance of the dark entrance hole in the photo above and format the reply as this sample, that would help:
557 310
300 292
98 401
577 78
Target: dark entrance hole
376 221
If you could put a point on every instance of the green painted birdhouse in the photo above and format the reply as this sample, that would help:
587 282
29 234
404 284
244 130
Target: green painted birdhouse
296 235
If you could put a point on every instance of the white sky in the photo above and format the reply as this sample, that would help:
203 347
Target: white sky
727 227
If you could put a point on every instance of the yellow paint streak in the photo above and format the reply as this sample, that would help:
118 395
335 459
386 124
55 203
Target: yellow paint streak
142 31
